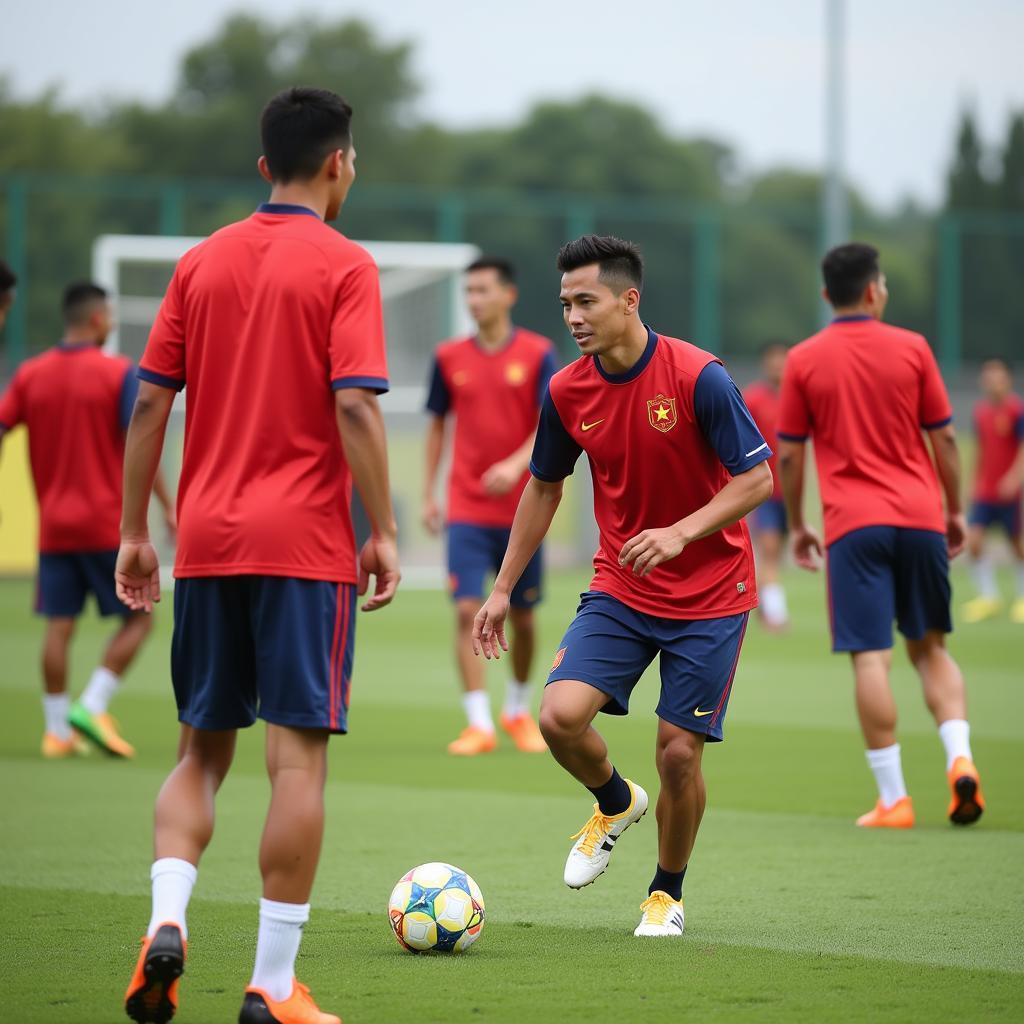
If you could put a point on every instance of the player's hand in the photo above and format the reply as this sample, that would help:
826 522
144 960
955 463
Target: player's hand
489 626
501 477
137 575
650 548
1008 486
807 549
430 516
956 534
379 558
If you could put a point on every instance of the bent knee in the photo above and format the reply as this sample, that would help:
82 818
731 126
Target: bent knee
560 723
679 758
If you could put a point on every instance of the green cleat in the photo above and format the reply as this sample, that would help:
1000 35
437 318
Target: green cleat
101 729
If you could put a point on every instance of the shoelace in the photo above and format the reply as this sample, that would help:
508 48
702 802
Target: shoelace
593 832
656 907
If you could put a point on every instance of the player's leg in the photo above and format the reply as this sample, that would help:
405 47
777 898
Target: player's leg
987 603
1016 533
516 719
770 524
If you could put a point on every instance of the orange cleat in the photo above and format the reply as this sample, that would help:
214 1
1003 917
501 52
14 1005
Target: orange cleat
899 815
298 1008
54 748
472 741
152 996
967 804
524 732
102 729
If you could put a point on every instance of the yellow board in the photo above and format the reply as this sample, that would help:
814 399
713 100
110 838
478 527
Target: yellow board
19 515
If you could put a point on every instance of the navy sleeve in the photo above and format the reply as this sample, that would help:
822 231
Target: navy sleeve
439 401
726 421
1020 427
129 392
548 368
554 451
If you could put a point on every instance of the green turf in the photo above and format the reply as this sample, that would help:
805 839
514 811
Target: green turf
792 914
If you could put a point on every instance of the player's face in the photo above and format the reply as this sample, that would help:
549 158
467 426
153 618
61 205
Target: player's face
995 380
102 322
597 317
877 296
488 298
772 365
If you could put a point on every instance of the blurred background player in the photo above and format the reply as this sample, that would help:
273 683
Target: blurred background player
866 393
275 327
669 442
996 499
8 280
492 384
75 401
769 519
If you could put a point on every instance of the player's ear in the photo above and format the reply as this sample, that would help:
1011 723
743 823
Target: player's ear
264 169
334 163
824 295
632 300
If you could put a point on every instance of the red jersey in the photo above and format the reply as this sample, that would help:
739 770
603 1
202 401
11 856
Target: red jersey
865 391
1000 433
495 398
260 322
763 402
76 401
662 440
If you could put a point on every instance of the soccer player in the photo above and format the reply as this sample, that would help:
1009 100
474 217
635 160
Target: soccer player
75 401
868 393
8 280
677 463
492 385
769 519
998 476
274 327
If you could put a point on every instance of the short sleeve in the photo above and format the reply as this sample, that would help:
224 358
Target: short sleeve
12 404
554 450
1019 430
129 392
357 352
439 399
935 410
548 368
794 422
726 422
163 362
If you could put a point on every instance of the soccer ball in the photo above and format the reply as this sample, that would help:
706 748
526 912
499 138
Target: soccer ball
436 907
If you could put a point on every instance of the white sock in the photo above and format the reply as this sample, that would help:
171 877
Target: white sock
773 604
955 734
478 709
1020 579
983 573
173 879
277 946
886 765
55 713
99 690
517 698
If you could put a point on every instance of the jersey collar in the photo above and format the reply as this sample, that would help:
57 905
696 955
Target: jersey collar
853 318
636 369
501 348
74 346
286 208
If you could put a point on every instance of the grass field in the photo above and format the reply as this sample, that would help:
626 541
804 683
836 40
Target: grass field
792 913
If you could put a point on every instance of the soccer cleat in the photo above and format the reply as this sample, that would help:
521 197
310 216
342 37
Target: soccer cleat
981 608
592 850
524 732
54 748
898 815
1017 611
101 729
152 996
472 741
661 916
298 1008
967 803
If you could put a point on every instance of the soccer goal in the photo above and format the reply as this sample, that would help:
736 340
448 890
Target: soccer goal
423 304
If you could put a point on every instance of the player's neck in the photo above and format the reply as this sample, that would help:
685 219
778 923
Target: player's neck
78 337
859 310
295 194
494 335
626 352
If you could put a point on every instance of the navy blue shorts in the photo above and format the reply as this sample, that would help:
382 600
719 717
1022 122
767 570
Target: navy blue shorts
609 646
272 647
770 517
475 552
881 573
66 580
997 513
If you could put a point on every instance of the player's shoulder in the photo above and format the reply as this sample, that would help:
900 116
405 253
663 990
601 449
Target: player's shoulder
531 341
685 358
453 348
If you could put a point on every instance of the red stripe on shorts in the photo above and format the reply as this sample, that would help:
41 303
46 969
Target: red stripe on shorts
343 647
732 674
332 713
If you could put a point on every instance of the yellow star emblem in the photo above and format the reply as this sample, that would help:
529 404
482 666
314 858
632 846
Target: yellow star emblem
662 412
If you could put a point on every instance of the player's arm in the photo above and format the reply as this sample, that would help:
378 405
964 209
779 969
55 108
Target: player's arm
361 426
433 450
947 465
1012 480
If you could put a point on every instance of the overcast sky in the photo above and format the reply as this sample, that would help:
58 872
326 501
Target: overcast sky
747 71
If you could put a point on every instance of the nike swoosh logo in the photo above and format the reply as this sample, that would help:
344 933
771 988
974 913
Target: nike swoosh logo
590 426
759 448
700 714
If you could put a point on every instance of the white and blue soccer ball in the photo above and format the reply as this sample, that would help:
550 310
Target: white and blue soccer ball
436 908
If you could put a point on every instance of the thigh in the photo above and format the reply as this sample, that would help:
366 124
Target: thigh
698 665
607 646
862 589
470 559
770 517
530 588
305 648
922 583
213 664
1010 519
982 514
60 586
98 569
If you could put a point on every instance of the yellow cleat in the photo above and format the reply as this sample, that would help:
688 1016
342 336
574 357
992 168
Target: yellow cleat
54 748
981 608
1017 611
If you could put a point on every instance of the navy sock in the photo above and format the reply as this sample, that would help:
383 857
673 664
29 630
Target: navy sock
614 796
668 881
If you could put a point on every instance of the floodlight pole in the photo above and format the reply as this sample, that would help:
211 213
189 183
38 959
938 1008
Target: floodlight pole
835 211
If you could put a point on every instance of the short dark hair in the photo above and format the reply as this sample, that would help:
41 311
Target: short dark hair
1004 363
299 128
621 262
848 270
506 271
8 279
79 299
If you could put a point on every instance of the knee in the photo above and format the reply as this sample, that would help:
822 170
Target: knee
522 620
465 613
559 725
140 624
679 759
